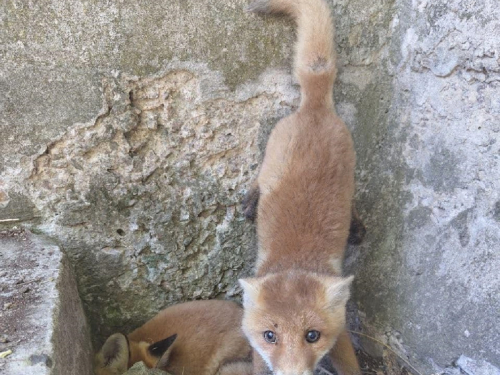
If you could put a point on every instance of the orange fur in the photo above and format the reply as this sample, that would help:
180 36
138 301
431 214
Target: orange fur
209 341
306 186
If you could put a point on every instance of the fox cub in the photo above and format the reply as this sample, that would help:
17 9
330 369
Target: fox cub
294 307
192 338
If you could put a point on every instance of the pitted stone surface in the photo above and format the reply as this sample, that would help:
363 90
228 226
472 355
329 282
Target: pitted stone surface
146 196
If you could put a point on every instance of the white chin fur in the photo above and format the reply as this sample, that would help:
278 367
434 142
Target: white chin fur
262 354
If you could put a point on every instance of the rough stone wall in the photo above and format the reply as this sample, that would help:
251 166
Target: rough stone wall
135 161
429 185
130 132
146 196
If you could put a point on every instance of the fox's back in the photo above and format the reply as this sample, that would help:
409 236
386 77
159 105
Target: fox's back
195 323
307 182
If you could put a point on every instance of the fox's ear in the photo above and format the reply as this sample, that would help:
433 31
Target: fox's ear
251 290
113 355
162 350
160 347
337 289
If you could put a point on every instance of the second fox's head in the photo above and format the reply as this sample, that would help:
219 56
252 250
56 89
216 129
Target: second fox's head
118 354
293 319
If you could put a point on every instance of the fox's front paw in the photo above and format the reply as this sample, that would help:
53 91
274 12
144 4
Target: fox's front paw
250 203
357 230
356 233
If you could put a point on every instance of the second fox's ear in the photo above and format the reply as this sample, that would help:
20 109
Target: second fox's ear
113 355
162 350
159 348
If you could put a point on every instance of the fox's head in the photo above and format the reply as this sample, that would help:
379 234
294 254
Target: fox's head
293 319
118 354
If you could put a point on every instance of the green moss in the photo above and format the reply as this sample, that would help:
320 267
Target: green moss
36 230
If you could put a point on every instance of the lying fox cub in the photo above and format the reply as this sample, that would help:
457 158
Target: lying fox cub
192 338
294 309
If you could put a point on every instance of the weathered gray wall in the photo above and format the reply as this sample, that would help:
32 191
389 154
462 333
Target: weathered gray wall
130 131
429 182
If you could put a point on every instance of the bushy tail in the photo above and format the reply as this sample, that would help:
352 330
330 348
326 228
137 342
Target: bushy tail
315 56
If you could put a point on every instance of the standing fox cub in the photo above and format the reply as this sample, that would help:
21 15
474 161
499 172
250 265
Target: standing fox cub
294 308
192 338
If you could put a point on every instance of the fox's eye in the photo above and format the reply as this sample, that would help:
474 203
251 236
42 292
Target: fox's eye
270 337
312 336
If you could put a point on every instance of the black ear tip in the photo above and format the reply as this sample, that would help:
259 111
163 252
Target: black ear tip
158 348
170 340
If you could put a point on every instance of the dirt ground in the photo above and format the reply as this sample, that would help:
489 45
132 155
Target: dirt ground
18 291
388 365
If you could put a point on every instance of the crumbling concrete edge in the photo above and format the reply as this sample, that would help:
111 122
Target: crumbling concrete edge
72 348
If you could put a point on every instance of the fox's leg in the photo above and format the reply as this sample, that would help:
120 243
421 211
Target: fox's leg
251 201
343 356
357 230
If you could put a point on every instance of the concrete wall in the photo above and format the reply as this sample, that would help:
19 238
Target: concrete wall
428 177
130 131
